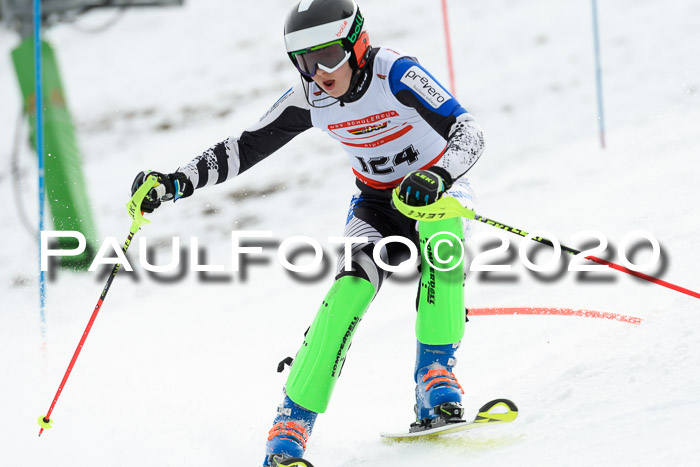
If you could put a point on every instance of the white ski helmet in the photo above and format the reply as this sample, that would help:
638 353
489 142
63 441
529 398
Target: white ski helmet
325 34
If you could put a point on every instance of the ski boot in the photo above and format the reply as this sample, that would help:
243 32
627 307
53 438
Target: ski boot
438 393
287 439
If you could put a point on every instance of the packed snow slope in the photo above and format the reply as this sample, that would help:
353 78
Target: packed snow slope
183 373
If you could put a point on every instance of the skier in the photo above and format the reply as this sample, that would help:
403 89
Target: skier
402 131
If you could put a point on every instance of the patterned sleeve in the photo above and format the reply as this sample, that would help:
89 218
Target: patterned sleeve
287 118
415 87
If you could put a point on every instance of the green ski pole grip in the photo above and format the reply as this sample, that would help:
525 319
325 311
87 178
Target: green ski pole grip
444 208
133 207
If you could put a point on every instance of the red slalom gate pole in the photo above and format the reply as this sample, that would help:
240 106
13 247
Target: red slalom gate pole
448 45
133 207
554 312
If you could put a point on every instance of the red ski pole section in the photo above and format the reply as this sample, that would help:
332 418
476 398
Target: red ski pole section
108 284
448 45
554 312
655 280
72 361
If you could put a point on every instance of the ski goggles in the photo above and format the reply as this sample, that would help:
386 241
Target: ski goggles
327 57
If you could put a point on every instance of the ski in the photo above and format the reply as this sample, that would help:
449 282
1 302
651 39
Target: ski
496 411
292 462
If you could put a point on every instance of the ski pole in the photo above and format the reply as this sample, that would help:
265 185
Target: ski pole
134 209
448 207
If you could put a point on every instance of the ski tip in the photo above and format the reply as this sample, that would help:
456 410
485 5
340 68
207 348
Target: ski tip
498 410
493 412
507 403
294 462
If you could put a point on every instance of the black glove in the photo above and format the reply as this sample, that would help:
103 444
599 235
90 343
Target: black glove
424 187
171 187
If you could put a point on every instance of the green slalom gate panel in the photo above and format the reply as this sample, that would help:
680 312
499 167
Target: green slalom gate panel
66 192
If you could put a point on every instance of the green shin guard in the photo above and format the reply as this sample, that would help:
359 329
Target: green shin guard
441 299
318 363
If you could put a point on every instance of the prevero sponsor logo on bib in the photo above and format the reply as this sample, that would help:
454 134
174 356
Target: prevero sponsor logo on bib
426 87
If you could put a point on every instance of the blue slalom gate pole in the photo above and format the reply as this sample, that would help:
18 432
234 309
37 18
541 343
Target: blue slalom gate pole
38 98
598 73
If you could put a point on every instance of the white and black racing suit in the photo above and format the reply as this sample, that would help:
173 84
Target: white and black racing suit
397 119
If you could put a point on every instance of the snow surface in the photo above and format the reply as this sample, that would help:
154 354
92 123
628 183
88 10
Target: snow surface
184 374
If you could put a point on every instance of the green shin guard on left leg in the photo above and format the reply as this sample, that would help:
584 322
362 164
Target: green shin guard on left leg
441 298
440 322
318 363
